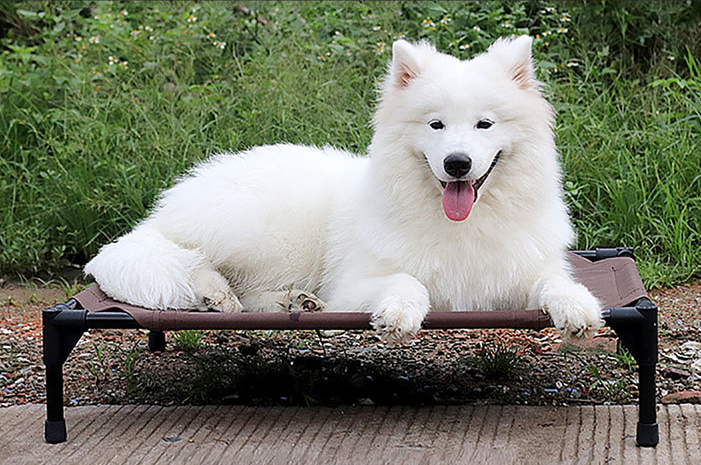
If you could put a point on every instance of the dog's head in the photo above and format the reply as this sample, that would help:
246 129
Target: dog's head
464 118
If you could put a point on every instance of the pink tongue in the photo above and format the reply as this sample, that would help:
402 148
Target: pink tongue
458 198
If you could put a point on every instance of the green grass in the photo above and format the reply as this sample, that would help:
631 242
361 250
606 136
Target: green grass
625 359
188 340
498 361
85 145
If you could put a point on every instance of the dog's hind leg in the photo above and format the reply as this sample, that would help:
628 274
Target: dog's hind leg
212 290
293 300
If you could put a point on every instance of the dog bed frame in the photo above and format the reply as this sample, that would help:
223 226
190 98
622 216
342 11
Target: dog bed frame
610 273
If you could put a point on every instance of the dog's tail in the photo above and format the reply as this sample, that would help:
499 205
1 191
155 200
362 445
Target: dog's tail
147 269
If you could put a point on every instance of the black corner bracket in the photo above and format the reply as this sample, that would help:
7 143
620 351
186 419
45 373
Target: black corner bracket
636 328
63 326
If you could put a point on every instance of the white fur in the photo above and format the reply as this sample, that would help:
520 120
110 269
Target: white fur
369 233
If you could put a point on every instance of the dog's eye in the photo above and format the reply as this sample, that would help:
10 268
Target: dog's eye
436 124
484 124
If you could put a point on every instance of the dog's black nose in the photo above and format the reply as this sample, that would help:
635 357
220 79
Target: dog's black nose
457 164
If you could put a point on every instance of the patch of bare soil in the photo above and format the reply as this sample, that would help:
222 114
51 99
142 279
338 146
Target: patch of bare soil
351 367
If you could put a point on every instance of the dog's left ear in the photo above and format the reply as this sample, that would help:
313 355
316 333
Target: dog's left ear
515 56
405 63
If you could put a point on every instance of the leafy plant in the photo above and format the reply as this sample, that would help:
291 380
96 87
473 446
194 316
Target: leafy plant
72 288
97 365
625 359
613 390
188 340
497 361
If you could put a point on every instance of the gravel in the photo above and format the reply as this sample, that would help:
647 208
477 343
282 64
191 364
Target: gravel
345 367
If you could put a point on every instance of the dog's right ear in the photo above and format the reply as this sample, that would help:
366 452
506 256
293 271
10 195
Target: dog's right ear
515 56
405 63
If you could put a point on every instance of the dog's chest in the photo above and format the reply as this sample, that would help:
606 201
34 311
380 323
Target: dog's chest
471 273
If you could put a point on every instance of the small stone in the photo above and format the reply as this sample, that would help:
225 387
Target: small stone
365 401
696 368
231 399
683 397
332 332
675 373
687 352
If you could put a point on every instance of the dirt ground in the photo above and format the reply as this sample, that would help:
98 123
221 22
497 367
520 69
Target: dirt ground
345 368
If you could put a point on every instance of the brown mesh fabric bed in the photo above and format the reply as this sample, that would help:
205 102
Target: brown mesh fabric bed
610 274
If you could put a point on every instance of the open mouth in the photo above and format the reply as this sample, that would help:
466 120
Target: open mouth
460 196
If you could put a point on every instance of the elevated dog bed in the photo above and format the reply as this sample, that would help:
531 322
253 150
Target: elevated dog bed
610 274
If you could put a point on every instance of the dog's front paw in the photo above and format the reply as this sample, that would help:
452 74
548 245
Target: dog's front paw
398 320
576 314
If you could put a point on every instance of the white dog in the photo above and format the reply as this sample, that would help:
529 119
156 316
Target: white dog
459 205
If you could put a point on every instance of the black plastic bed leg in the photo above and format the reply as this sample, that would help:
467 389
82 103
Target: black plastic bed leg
648 430
55 424
62 327
156 341
636 328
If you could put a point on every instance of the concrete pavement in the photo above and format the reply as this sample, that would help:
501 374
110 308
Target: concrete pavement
192 435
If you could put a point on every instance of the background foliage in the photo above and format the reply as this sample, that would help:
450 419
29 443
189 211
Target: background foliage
103 104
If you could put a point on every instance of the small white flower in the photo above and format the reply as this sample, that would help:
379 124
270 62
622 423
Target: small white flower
94 40
191 19
476 28
464 47
124 12
376 28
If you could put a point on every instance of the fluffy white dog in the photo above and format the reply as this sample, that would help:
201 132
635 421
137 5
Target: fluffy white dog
459 205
